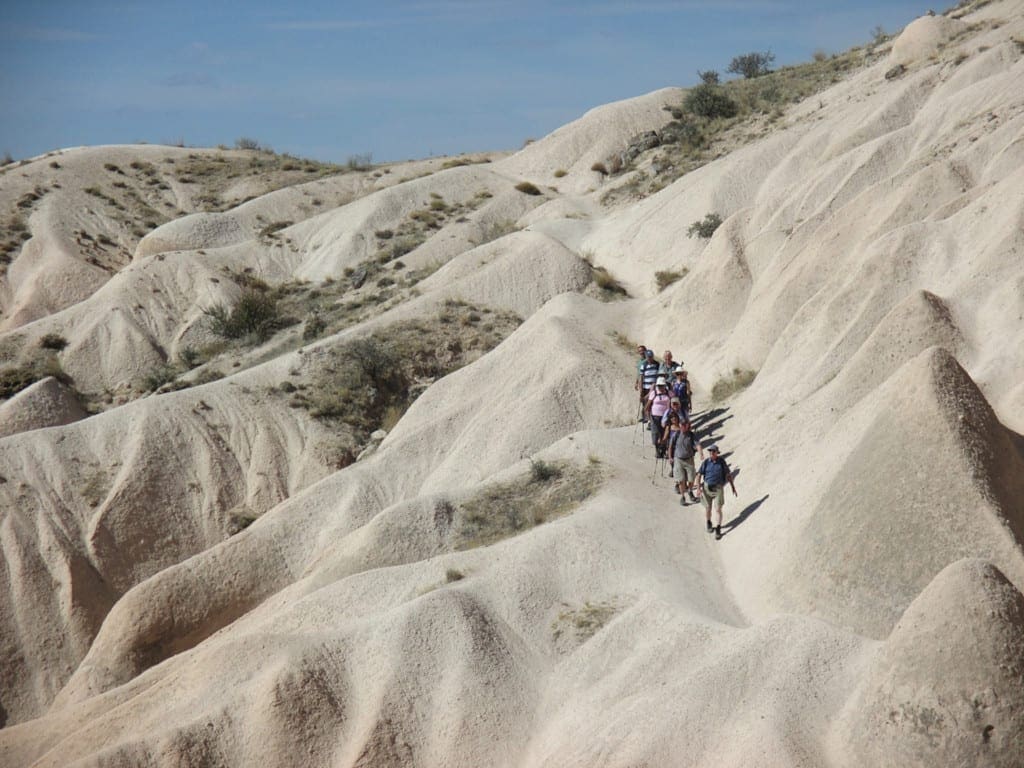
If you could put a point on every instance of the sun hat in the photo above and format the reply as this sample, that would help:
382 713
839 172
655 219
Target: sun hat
713 449
674 400
679 371
660 382
649 353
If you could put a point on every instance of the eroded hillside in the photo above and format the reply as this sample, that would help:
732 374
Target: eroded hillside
334 467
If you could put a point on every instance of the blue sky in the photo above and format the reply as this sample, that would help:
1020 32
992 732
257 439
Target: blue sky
396 79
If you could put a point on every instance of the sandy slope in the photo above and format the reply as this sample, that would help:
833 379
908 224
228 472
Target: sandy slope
864 606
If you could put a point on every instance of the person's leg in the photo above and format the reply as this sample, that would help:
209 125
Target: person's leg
656 432
706 498
679 473
689 477
719 503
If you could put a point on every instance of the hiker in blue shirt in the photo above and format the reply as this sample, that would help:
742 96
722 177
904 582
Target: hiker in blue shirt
681 388
712 476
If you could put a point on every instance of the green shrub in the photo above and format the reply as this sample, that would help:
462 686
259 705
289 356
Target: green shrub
560 173
246 143
600 167
543 471
708 77
706 228
711 101
751 65
255 313
156 378
53 341
528 188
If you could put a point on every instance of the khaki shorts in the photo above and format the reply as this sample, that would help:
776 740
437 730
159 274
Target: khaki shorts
718 495
683 470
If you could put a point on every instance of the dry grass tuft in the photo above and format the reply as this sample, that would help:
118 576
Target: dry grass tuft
737 381
549 491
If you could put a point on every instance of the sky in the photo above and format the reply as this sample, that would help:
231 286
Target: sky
397 80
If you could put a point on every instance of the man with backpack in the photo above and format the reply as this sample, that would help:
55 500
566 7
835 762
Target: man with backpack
658 402
686 448
712 476
681 388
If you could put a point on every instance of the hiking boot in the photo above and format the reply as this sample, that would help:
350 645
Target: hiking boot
682 501
718 533
694 499
672 473
675 487
709 525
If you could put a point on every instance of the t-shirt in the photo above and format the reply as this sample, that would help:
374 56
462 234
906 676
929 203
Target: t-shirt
660 402
686 445
668 415
681 389
649 374
715 471
667 370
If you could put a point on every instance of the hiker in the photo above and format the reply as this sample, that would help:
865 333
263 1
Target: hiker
668 366
642 351
648 376
675 406
712 476
683 470
657 404
669 433
681 387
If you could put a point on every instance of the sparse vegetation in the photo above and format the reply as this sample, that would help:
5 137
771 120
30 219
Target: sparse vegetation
600 167
610 287
737 381
528 188
507 509
710 101
158 377
585 621
560 173
366 382
705 228
493 230
665 278
255 314
53 341
360 162
542 471
623 341
38 366
751 65
244 142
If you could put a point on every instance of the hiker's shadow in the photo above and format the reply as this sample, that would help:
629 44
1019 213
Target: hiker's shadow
708 423
747 511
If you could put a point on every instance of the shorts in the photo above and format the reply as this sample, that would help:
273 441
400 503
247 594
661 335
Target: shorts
684 471
718 495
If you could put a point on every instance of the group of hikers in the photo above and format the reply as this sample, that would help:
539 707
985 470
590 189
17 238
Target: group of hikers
664 407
